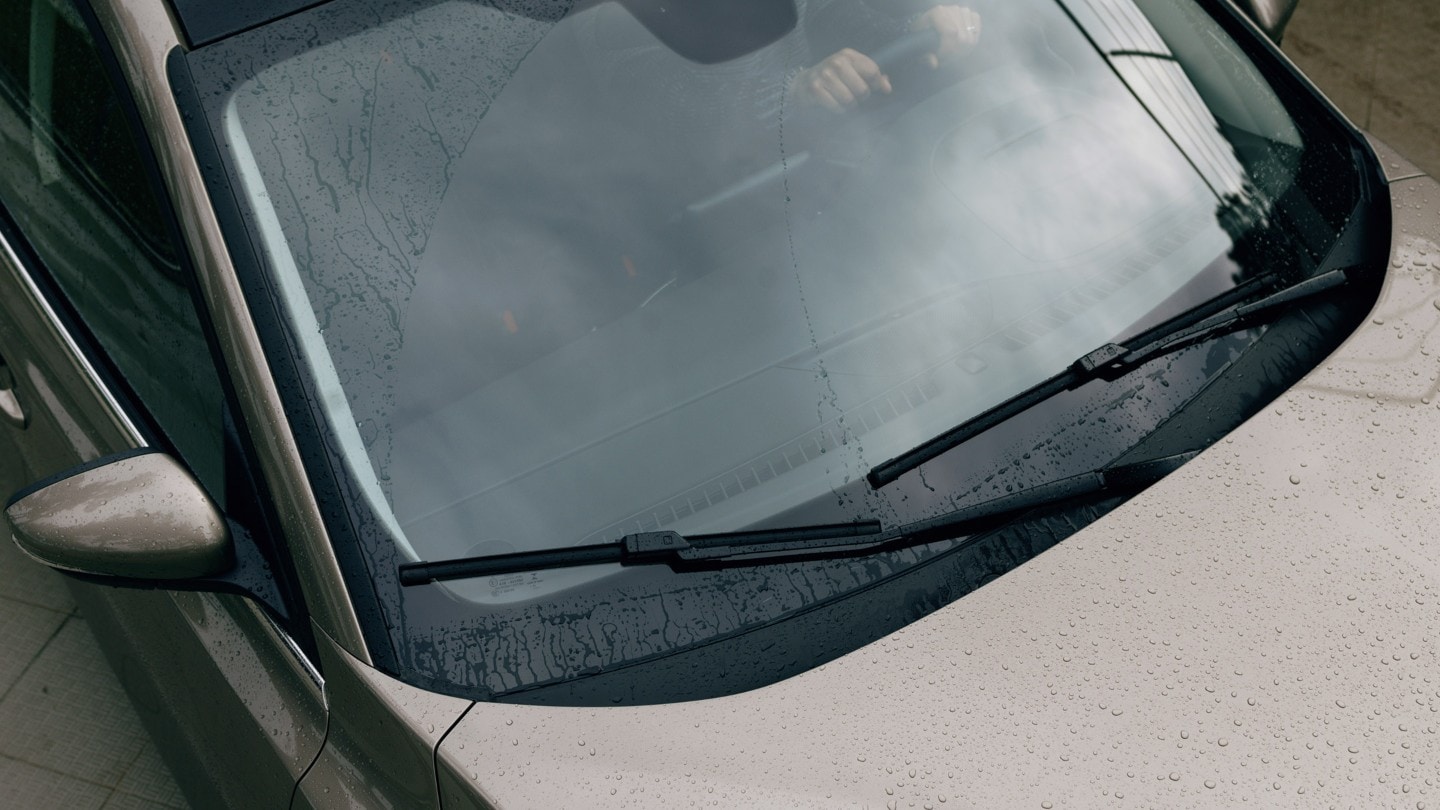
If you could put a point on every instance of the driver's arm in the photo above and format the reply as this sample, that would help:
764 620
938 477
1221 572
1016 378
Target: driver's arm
844 79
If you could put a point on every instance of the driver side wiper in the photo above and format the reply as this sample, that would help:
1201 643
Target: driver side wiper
778 545
1221 315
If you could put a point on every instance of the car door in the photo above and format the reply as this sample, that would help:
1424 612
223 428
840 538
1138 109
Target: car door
103 349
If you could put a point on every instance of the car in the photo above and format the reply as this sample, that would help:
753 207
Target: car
534 403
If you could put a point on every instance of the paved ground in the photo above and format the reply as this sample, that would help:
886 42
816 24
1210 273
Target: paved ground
68 737
1379 61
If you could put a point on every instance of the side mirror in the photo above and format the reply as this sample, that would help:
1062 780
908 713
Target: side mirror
1271 15
136 516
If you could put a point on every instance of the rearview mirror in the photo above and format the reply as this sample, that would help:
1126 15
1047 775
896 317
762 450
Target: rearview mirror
711 31
138 515
1271 15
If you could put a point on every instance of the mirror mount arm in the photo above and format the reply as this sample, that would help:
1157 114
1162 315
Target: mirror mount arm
1270 15
249 577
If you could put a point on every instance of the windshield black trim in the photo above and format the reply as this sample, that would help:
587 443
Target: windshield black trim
206 21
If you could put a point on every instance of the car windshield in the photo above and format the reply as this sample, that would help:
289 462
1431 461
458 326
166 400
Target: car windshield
554 278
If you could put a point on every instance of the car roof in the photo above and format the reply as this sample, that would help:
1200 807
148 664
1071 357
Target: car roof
205 21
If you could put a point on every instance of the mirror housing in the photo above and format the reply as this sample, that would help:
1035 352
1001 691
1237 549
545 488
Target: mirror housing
711 31
1271 15
136 515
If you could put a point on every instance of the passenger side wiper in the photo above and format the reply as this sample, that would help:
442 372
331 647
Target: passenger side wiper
1220 315
779 545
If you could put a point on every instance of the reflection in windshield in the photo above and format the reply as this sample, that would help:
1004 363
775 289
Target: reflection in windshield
559 283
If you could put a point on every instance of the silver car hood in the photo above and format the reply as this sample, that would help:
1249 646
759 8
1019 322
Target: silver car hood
1260 626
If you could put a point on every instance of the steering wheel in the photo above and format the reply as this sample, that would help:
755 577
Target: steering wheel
906 48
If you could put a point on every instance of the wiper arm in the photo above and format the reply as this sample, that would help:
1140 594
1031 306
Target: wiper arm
1220 315
777 545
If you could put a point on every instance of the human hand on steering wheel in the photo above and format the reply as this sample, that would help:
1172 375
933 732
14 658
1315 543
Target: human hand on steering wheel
844 79
840 81
958 27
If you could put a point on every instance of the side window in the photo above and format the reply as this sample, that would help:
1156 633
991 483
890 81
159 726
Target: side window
74 180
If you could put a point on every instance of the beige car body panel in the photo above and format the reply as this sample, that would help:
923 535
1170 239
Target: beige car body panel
380 750
1260 627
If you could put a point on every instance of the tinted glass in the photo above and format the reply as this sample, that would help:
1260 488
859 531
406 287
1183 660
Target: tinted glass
73 178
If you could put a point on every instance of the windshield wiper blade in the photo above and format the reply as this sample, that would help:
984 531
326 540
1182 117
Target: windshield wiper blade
967 520
781 545
640 548
1220 315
